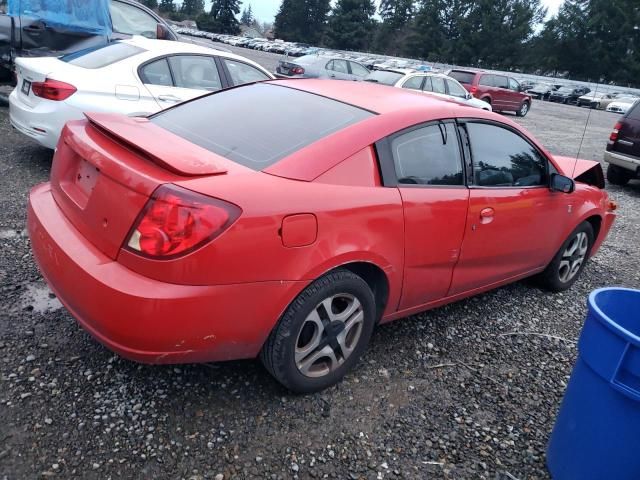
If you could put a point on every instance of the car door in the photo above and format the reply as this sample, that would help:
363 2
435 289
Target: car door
177 78
501 93
457 91
425 164
514 94
515 221
337 69
240 73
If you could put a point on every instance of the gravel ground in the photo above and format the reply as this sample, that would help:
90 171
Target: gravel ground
448 394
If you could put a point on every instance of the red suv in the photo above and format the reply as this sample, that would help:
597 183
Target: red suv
502 92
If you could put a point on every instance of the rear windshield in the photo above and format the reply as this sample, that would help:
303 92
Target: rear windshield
384 76
258 125
102 56
462 77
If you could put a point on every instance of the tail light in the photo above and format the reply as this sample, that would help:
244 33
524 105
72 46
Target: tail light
297 70
616 130
53 90
176 221
473 90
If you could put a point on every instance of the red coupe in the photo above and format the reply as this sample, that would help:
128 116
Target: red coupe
286 219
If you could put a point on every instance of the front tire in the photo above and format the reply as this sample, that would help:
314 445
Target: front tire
322 334
568 263
617 175
524 109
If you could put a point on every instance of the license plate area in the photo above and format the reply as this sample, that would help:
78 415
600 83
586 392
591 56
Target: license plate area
80 182
26 87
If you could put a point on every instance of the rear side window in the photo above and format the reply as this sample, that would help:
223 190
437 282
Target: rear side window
500 81
102 56
260 124
487 81
462 77
501 158
428 156
437 85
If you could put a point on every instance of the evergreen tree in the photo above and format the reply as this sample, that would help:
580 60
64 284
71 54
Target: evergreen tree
167 6
192 8
302 20
222 17
393 34
351 24
247 16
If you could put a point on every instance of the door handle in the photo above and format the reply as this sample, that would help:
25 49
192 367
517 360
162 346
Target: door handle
169 98
35 27
332 76
486 215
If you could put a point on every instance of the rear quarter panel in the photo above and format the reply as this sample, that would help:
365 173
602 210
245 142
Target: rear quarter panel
355 224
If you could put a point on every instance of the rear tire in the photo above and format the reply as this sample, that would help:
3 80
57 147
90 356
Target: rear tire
322 334
524 109
568 263
617 175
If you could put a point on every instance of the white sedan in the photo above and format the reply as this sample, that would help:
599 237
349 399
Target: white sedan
621 105
134 77
427 82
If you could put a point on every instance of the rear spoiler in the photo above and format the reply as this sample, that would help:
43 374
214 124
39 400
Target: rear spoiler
162 147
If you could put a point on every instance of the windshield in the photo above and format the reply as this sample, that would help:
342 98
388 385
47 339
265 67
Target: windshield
102 56
384 76
258 125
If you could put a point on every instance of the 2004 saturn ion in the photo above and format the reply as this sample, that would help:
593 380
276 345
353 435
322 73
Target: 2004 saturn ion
205 233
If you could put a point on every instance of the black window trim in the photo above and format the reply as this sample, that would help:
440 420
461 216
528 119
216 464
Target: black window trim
221 73
462 122
386 164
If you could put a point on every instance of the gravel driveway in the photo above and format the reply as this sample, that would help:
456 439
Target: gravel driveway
467 391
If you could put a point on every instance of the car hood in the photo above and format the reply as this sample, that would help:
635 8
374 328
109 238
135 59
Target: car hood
572 167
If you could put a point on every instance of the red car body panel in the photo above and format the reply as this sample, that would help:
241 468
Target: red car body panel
319 208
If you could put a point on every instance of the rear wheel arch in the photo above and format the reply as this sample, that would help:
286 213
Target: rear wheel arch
375 278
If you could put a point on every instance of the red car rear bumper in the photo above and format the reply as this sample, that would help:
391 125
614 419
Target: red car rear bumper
143 319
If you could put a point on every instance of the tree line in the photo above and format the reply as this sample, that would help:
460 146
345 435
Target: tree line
594 40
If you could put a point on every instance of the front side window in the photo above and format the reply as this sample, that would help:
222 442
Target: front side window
502 158
131 20
242 73
196 72
513 85
414 83
428 156
157 73
456 90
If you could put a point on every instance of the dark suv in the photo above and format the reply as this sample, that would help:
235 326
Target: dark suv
623 148
502 92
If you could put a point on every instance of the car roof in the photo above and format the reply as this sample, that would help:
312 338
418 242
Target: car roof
169 47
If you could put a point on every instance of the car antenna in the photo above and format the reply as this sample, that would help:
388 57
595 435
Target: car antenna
584 133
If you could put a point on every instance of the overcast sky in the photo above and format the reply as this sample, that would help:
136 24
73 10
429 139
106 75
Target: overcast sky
265 10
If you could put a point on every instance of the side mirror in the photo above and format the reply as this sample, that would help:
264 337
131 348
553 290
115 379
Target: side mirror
162 32
560 183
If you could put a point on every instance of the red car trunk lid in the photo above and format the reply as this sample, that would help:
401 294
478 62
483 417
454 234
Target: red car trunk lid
105 170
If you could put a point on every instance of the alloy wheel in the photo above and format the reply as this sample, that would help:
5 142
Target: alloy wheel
329 335
524 109
573 257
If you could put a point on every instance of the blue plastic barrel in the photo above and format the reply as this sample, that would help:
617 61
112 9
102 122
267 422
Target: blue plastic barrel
597 432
